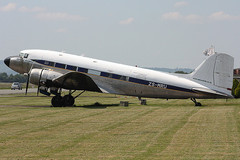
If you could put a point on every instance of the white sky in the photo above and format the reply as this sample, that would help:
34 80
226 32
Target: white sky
147 33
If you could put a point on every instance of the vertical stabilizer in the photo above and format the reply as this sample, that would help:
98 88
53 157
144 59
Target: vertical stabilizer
217 71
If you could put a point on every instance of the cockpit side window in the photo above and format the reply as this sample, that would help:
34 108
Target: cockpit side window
21 55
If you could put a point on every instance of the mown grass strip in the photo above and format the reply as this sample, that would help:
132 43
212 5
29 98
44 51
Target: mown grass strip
113 132
165 137
56 124
129 119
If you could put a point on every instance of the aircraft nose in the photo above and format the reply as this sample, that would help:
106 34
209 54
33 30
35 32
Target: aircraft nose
7 61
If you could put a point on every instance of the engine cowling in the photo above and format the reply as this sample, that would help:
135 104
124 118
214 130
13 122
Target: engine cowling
43 76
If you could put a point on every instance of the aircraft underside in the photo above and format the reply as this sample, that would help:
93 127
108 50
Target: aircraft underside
139 90
113 86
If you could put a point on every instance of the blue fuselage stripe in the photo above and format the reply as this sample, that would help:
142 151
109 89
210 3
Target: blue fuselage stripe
115 76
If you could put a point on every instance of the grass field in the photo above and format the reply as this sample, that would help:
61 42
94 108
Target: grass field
8 85
174 129
5 85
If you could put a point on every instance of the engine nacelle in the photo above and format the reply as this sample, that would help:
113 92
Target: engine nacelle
45 75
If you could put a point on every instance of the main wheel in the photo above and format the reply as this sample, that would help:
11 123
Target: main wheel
57 101
68 100
198 104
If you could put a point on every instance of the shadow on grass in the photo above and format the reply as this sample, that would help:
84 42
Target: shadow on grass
98 106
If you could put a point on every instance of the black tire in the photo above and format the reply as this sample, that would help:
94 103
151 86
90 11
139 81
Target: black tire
68 100
198 104
57 101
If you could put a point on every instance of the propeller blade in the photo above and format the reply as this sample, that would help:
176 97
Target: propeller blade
28 77
38 90
39 82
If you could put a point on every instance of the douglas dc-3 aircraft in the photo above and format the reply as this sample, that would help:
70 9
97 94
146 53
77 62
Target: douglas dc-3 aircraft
53 71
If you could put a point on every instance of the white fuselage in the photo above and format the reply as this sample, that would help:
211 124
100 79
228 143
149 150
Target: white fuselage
117 78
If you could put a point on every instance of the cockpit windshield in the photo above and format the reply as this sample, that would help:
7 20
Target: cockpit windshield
23 55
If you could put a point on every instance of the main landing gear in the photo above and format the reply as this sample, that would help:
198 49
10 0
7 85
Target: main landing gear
196 103
67 100
59 101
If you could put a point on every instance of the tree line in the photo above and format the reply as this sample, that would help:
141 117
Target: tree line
4 77
236 89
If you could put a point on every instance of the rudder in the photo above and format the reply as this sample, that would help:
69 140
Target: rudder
216 70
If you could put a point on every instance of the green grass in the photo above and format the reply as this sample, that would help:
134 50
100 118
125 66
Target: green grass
8 85
174 129
5 85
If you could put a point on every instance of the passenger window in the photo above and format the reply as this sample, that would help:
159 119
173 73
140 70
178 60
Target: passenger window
60 65
124 78
49 63
94 72
73 68
82 70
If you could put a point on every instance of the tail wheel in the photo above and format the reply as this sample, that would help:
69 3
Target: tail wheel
196 103
57 101
68 100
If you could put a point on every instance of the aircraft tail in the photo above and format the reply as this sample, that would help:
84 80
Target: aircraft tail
216 73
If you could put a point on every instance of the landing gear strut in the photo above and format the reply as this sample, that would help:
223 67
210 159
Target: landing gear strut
67 100
196 103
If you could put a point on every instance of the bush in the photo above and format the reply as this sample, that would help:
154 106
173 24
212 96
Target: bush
237 91
235 85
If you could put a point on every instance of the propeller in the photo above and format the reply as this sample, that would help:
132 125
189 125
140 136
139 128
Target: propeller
39 82
28 79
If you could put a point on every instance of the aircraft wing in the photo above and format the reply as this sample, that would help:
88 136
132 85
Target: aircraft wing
76 81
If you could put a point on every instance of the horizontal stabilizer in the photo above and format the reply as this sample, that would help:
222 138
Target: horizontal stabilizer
210 92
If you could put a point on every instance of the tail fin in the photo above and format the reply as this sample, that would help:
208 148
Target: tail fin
216 72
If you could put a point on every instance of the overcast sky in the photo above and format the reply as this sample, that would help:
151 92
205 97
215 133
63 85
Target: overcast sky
147 33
